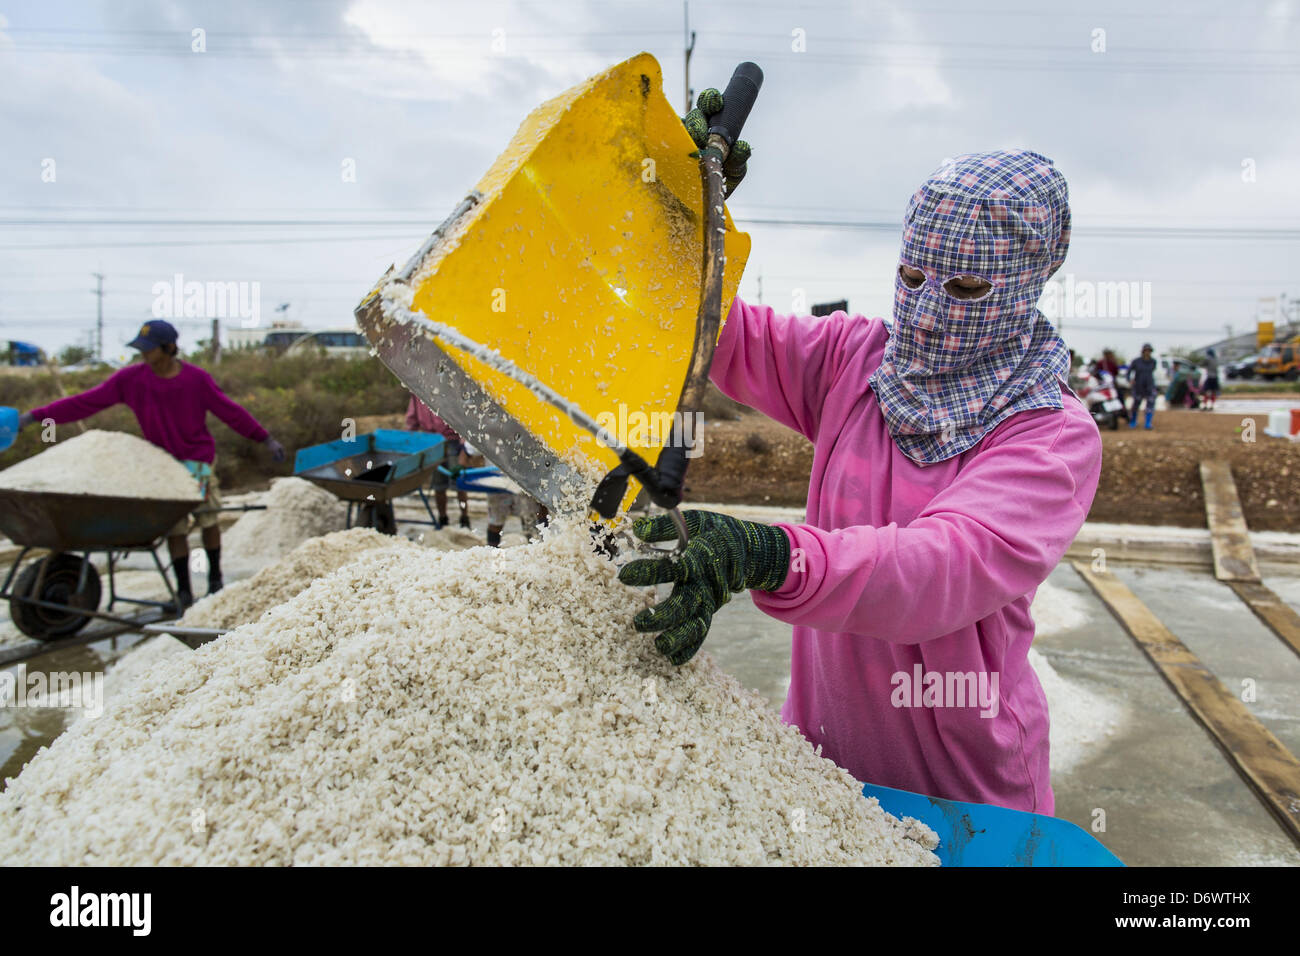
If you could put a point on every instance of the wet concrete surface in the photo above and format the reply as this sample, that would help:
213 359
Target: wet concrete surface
1161 788
1169 796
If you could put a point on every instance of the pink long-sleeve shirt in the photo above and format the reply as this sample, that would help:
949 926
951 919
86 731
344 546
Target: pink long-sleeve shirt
905 571
172 411
421 418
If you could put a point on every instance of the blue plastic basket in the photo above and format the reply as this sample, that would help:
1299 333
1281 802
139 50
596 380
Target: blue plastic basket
8 426
978 834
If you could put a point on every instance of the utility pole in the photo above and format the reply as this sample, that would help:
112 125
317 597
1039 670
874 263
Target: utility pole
99 316
216 341
688 38
760 288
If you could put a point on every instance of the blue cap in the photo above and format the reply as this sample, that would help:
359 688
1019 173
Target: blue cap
154 333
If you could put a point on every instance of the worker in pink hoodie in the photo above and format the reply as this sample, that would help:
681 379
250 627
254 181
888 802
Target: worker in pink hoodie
952 468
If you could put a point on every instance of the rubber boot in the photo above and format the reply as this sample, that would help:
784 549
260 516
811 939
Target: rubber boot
184 596
1148 421
215 581
1133 420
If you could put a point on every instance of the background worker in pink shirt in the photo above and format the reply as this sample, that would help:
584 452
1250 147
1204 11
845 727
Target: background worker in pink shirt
171 400
952 468
421 418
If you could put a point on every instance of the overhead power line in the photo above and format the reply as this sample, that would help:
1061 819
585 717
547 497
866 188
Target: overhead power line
1116 231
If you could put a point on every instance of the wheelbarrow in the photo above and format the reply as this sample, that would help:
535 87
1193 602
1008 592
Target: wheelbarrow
369 470
56 595
979 834
581 283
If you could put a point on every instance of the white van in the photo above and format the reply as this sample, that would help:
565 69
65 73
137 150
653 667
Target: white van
339 343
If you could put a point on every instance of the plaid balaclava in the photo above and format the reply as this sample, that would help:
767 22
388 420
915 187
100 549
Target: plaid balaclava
953 368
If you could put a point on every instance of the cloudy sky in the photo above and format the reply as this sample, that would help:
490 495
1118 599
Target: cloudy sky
127 153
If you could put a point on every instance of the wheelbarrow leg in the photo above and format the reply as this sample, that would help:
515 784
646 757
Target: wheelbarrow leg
13 571
171 591
432 518
112 584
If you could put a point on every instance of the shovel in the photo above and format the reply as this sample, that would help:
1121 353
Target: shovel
580 285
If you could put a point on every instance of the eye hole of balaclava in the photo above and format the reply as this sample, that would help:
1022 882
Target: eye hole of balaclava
965 288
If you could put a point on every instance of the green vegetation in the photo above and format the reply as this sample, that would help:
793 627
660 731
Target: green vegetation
1247 389
74 355
302 400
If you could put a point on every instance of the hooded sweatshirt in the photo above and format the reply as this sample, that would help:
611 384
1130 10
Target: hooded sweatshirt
910 581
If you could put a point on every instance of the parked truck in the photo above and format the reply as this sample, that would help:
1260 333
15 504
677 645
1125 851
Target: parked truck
1280 360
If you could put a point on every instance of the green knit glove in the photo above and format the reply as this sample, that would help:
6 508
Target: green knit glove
707 104
724 556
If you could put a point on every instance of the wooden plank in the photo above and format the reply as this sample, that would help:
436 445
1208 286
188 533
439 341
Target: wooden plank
1280 617
1234 558
1260 758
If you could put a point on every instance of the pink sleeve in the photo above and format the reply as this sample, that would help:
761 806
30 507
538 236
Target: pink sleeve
76 407
232 413
412 416
781 365
989 538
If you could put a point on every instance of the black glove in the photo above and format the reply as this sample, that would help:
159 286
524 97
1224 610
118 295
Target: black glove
725 555
25 419
707 105
275 448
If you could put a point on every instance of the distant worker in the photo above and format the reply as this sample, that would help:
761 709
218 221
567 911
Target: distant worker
1210 390
171 399
421 418
1108 364
532 514
1142 371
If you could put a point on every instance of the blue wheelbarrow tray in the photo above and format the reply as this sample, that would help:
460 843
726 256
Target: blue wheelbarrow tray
979 834
380 465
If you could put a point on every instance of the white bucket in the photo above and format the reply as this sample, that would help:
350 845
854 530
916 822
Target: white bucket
1279 423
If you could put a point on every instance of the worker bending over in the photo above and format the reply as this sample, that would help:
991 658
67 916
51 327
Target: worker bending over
171 399
952 468
421 418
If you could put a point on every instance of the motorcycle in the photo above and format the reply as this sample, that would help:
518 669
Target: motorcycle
1101 398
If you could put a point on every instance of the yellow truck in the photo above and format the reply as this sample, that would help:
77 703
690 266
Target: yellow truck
1280 360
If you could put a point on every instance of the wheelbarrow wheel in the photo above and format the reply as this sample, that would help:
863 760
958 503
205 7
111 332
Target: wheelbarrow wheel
62 574
378 515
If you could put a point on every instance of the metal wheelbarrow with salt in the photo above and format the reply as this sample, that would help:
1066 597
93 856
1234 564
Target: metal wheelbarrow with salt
369 471
55 595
